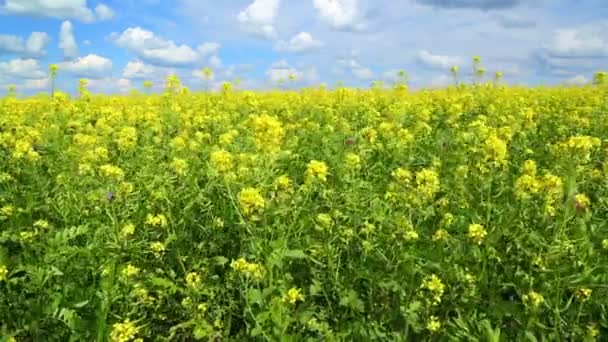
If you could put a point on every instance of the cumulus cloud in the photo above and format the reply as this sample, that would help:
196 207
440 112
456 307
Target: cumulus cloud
356 69
339 14
90 66
208 49
22 68
281 71
60 9
159 51
578 80
301 42
67 42
103 12
138 70
440 81
438 61
586 41
110 85
480 4
36 84
258 18
33 47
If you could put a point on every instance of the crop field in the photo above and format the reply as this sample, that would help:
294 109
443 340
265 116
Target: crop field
473 213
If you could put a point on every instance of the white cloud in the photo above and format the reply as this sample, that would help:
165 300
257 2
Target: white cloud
36 43
578 80
259 17
60 9
301 42
201 75
11 44
103 12
158 51
138 70
110 85
91 66
67 42
440 81
339 14
208 49
281 72
36 84
215 62
586 41
22 68
438 61
363 73
355 68
33 47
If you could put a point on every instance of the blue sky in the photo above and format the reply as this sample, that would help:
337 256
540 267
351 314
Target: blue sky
118 44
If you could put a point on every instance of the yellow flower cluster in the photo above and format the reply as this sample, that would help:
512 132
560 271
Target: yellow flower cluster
293 296
159 220
249 269
123 332
477 233
251 201
435 286
112 171
533 299
221 161
317 170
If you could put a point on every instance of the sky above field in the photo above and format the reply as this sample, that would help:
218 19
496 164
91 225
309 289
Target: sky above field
117 44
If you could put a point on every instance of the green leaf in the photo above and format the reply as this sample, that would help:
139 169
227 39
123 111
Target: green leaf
254 296
164 283
221 261
81 304
295 254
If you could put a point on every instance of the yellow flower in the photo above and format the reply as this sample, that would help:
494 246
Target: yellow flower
251 270
582 202
402 175
123 332
605 244
251 201
434 285
441 234
317 169
3 272
427 183
42 224
495 150
130 271
193 280
221 161
159 220
477 233
592 331
293 295
112 171
180 166
324 220
353 161
7 210
126 138
411 235
433 324
583 294
127 230
533 299
158 248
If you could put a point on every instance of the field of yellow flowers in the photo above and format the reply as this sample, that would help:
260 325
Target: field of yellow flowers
473 213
